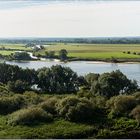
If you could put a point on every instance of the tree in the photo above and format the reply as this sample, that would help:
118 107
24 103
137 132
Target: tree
91 77
63 54
21 56
14 73
112 84
57 79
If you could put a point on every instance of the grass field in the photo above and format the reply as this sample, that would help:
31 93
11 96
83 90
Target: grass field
56 129
96 50
3 52
14 47
84 51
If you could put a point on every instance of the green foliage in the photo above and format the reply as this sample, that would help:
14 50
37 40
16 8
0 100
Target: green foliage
49 105
11 104
31 98
21 56
121 105
112 84
91 77
136 113
57 79
29 116
50 54
63 54
99 101
76 109
14 73
84 93
57 129
4 92
125 124
18 86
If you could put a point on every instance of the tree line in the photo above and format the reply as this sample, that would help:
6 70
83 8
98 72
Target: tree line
60 80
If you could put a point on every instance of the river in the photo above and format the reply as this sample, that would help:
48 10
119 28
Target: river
132 70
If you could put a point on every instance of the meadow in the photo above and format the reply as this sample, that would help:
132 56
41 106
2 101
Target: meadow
8 49
96 51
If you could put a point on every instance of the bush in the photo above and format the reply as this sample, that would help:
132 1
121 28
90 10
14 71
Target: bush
11 104
76 109
85 93
99 101
29 116
17 86
136 113
137 97
121 105
4 92
32 98
50 105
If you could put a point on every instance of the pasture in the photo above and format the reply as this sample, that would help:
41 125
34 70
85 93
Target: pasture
101 51
8 49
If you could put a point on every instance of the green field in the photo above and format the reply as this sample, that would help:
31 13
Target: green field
96 50
83 51
14 47
56 129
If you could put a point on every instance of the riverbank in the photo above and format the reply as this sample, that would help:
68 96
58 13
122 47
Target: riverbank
107 60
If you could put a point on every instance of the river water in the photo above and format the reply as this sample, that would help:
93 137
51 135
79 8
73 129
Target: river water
132 70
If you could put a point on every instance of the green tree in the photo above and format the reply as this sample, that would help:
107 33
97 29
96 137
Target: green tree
57 79
112 84
63 54
18 86
50 54
21 56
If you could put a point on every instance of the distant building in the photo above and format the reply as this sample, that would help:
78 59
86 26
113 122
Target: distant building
37 47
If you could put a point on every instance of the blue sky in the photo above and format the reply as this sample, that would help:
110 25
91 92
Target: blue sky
53 18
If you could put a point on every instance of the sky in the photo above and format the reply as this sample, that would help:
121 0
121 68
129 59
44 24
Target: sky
71 18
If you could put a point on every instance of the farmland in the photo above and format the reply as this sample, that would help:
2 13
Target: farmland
8 49
96 51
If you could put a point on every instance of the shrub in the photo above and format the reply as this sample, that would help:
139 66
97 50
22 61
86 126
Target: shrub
99 101
128 52
76 109
137 97
85 93
136 113
17 86
121 105
134 53
29 116
4 92
11 104
50 105
32 98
